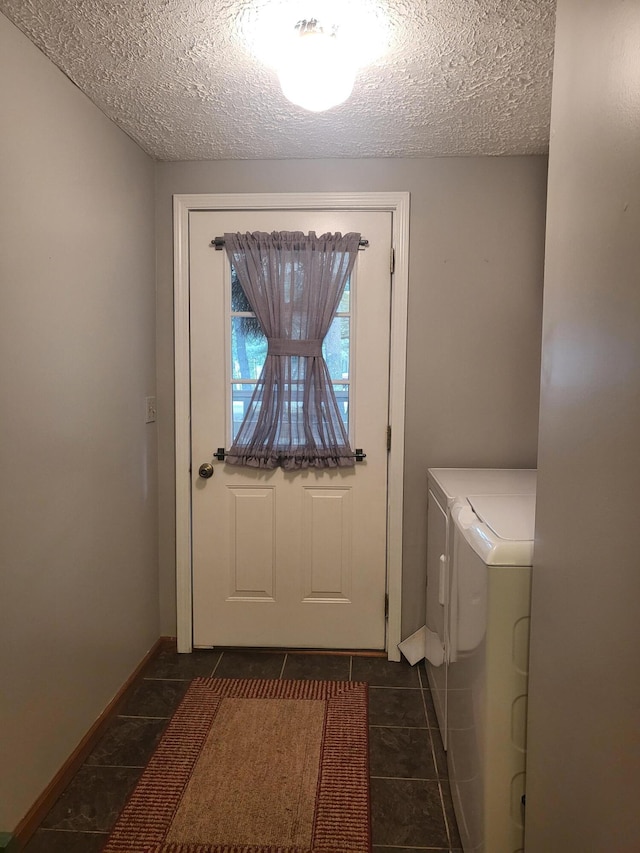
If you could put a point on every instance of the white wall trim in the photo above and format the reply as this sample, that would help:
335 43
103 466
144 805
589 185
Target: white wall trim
398 204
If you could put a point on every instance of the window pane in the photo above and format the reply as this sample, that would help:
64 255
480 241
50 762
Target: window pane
248 348
342 396
240 397
239 301
345 302
291 430
336 348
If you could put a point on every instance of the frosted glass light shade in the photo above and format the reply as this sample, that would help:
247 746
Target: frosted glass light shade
317 74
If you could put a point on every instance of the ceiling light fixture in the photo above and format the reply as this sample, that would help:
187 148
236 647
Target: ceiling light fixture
317 71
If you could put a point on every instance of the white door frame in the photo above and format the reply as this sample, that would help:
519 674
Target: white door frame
398 204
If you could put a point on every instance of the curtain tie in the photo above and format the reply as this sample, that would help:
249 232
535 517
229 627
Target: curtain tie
286 346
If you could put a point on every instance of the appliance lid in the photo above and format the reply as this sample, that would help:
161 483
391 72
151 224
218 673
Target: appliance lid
509 516
451 483
499 528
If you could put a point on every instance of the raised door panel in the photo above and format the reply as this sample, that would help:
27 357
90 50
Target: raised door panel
327 534
253 547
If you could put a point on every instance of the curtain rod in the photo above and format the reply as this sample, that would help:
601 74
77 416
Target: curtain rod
218 243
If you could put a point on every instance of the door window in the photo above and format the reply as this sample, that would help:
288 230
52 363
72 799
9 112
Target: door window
248 349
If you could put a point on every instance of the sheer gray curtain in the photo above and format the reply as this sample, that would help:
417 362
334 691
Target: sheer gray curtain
294 283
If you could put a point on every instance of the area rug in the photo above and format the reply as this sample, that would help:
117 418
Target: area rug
255 766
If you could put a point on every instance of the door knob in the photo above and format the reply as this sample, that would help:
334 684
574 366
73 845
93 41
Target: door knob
206 470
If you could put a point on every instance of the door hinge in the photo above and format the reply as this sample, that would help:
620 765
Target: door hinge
392 261
388 438
386 606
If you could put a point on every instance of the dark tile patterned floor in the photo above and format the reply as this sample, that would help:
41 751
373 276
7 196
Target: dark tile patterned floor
411 806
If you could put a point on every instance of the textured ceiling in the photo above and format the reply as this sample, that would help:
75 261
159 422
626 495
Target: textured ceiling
459 77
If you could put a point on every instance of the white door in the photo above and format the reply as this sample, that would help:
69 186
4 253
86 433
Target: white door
292 559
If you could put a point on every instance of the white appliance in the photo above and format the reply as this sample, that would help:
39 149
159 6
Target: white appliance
445 485
489 605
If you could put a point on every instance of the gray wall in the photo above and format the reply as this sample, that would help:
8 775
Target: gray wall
476 265
78 537
584 714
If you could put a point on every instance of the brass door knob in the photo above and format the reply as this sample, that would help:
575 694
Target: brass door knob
206 470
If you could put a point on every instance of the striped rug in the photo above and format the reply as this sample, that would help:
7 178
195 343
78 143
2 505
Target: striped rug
255 766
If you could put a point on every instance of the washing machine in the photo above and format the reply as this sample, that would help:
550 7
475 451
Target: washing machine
445 486
490 584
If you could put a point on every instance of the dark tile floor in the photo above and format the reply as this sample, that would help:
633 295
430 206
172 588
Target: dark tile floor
410 798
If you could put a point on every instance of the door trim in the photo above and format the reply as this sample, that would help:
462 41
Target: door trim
398 204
